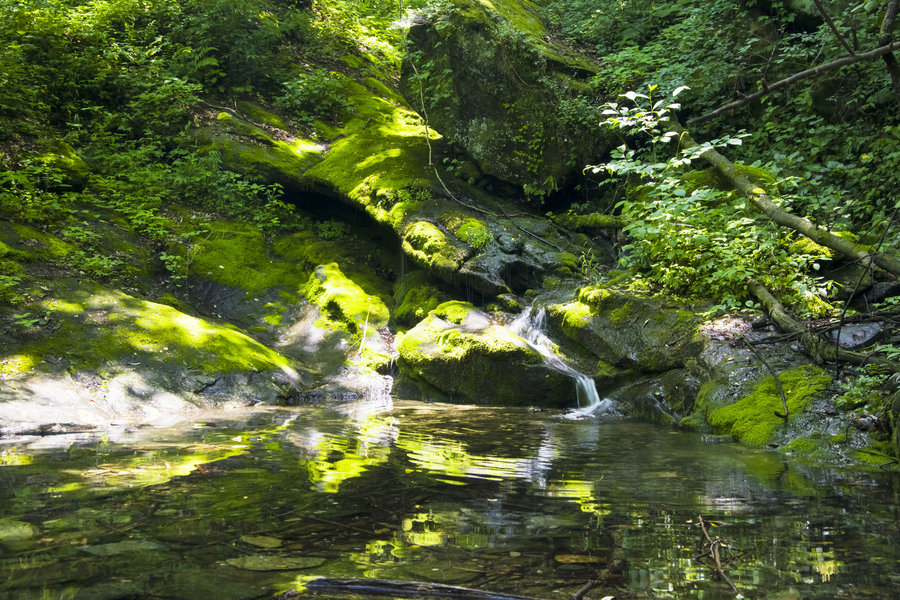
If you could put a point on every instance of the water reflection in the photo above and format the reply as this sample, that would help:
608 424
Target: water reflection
502 499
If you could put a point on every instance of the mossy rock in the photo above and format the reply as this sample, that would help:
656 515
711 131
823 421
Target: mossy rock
474 232
415 295
752 419
59 155
341 300
237 255
252 151
590 222
476 361
97 326
628 330
518 134
381 163
430 247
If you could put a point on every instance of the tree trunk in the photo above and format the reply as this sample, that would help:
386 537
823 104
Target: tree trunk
887 34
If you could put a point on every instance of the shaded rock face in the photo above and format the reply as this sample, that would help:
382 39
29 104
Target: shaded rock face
491 83
466 356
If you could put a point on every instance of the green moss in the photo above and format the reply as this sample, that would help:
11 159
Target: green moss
170 300
877 455
102 325
595 297
805 446
236 255
575 316
589 222
415 297
383 150
804 245
343 302
454 311
273 319
622 314
384 91
567 261
428 245
352 61
474 232
257 113
279 161
60 155
690 423
752 419
42 246
711 178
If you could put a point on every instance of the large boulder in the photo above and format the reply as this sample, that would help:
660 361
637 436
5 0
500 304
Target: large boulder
461 354
492 82
628 330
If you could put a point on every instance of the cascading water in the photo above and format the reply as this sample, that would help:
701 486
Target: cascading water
531 326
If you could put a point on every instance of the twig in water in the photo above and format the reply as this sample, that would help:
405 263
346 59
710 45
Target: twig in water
714 549
591 584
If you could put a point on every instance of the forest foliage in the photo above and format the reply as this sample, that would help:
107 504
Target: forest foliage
124 81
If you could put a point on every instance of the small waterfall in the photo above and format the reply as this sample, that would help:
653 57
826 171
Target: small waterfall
531 326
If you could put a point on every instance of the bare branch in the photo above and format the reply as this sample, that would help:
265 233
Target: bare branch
837 64
834 28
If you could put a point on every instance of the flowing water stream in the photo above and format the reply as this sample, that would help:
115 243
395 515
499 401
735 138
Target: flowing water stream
507 500
531 325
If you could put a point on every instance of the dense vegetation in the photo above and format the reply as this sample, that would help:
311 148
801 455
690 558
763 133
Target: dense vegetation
123 82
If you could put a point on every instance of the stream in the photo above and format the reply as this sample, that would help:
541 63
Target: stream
247 505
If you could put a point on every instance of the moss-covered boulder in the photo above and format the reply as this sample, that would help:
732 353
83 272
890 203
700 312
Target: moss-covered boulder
377 162
752 419
416 295
344 305
492 82
103 355
628 330
57 154
460 354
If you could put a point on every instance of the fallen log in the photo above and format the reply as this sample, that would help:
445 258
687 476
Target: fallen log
816 347
761 200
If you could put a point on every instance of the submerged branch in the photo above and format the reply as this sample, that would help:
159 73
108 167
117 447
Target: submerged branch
335 588
714 552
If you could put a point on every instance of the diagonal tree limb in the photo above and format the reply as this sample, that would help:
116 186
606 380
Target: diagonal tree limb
761 200
815 346
834 28
837 64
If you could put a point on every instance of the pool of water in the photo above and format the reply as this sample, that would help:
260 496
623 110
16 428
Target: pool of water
525 503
